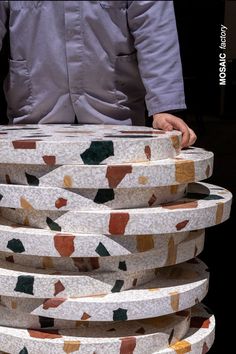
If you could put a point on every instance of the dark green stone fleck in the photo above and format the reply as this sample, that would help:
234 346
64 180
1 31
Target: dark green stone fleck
31 180
104 195
120 315
24 351
118 286
101 250
97 152
15 245
53 225
122 265
25 284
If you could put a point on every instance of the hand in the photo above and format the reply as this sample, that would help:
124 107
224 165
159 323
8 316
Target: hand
168 122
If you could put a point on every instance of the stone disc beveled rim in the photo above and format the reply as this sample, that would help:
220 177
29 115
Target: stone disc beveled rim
109 336
169 250
41 283
205 205
24 240
54 198
199 338
191 165
87 144
182 286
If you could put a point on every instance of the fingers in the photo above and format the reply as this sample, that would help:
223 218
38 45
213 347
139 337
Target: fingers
193 137
180 125
168 122
188 135
185 136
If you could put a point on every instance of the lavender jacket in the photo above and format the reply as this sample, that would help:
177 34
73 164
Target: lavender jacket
100 61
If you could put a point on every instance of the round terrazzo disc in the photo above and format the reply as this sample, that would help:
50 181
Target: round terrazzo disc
108 337
106 252
150 251
204 205
191 165
53 198
200 336
174 289
18 280
86 144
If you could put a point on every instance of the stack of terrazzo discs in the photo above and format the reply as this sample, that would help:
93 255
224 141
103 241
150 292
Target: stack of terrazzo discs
100 227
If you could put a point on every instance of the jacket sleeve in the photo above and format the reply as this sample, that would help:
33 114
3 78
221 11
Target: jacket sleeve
153 26
3 20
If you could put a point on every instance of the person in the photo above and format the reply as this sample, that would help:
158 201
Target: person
96 61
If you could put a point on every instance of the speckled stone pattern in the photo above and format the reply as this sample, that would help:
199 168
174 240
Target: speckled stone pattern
139 252
49 198
173 289
40 283
100 227
23 240
191 165
204 205
154 333
85 144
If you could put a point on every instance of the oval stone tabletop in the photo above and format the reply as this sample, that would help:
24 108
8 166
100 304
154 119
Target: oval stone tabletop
203 206
174 289
85 144
53 198
191 165
85 337
198 339
18 280
151 251
83 252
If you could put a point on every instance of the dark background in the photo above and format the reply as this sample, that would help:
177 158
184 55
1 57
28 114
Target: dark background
211 113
